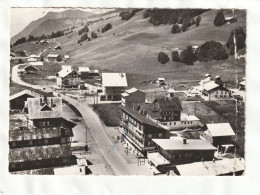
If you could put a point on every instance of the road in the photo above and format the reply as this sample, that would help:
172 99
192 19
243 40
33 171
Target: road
107 148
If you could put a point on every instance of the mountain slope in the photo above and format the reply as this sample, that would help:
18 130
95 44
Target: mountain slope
56 21
132 46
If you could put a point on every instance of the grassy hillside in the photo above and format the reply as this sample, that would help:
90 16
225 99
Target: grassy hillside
132 46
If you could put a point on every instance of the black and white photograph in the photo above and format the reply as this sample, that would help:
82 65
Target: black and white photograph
127 91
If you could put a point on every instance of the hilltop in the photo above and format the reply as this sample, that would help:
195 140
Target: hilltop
132 46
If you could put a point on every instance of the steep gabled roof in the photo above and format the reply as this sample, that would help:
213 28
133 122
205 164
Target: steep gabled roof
24 92
211 85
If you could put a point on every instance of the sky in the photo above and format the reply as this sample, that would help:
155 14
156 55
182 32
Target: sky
21 17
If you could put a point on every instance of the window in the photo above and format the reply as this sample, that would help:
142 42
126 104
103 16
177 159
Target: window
150 135
30 142
170 123
46 141
174 123
149 143
160 134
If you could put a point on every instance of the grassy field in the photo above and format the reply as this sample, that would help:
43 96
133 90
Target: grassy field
132 46
110 114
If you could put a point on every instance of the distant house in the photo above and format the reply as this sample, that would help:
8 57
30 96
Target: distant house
133 97
219 133
58 47
140 131
161 81
195 48
66 57
84 72
53 57
20 60
214 91
67 77
230 20
242 85
30 69
92 74
34 58
114 84
233 166
37 63
182 150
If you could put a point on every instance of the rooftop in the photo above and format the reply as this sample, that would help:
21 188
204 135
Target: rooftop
72 170
35 106
210 168
114 80
185 117
83 69
220 129
211 85
141 118
242 83
26 91
157 159
132 90
169 104
52 55
177 144
39 153
36 63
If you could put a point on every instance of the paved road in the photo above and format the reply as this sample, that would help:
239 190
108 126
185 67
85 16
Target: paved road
110 153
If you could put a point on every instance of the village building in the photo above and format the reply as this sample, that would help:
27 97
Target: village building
167 111
44 140
93 74
214 91
34 58
53 57
19 60
84 72
30 69
195 48
114 85
66 57
58 47
182 150
67 77
36 63
219 134
17 100
161 81
139 130
133 97
230 20
242 85
224 167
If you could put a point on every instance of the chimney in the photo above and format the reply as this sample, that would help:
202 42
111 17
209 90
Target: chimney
184 140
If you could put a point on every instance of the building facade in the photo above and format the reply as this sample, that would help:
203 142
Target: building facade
67 78
140 130
182 151
133 97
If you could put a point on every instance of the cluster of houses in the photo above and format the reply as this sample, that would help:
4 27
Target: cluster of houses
215 89
39 136
148 128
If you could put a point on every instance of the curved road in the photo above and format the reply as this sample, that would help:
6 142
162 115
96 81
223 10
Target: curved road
110 153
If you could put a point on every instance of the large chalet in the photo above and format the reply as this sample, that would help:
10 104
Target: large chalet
44 140
67 78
